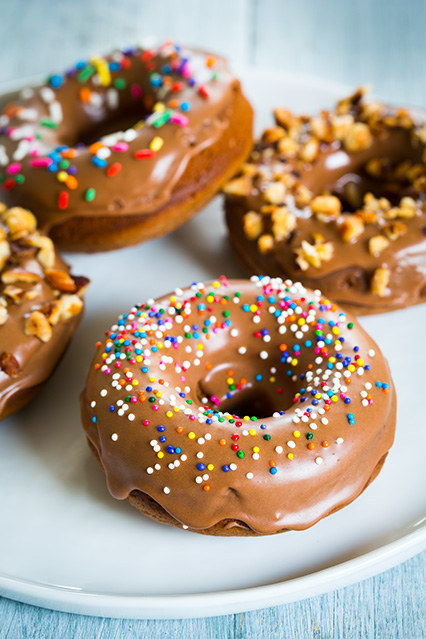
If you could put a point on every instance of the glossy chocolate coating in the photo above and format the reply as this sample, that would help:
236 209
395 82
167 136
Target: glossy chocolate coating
213 477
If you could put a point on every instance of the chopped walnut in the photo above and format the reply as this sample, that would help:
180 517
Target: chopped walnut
377 244
341 125
38 325
309 150
275 193
272 135
9 364
60 280
3 315
23 277
253 225
288 147
240 186
380 281
326 207
265 243
407 207
321 127
19 221
358 138
394 230
46 253
4 252
302 196
71 305
351 228
284 118
283 223
313 254
14 293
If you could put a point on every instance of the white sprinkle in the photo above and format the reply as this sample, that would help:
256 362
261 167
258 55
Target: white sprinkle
291 444
207 436
184 526
149 470
371 352
233 466
103 392
256 456
318 460
263 355
130 417
166 490
339 440
324 421
114 437
364 402
249 475
201 440
92 404
278 449
157 466
242 350
198 479
234 332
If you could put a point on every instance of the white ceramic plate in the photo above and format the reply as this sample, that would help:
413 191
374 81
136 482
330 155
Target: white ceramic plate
66 544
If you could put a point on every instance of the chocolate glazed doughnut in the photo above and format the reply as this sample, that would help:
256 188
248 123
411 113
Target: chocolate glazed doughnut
239 407
338 201
40 307
124 148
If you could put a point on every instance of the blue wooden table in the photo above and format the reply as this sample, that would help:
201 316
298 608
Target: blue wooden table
388 606
384 45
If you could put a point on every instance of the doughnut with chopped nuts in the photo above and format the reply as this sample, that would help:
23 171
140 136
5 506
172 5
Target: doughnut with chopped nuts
352 182
41 305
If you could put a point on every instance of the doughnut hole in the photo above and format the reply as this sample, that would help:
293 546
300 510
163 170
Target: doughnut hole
255 391
345 175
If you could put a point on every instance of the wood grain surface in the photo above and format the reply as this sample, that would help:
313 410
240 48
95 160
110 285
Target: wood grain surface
381 42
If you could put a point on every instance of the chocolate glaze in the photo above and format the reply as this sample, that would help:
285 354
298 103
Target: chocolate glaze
305 488
36 359
346 277
142 186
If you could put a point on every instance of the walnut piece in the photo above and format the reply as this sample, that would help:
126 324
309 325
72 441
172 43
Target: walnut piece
38 325
313 254
380 281
19 221
60 280
283 223
326 207
253 225
358 138
275 193
71 305
9 364
3 315
240 186
4 252
394 230
46 253
377 244
265 243
351 228
22 277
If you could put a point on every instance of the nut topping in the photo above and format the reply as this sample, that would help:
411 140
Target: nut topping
380 281
37 324
60 280
9 364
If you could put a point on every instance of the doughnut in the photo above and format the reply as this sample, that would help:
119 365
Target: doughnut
338 202
124 148
239 407
40 307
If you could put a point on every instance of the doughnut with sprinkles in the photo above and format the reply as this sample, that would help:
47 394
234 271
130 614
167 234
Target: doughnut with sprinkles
239 407
126 147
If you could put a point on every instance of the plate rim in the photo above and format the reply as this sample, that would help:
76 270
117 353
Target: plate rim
196 605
